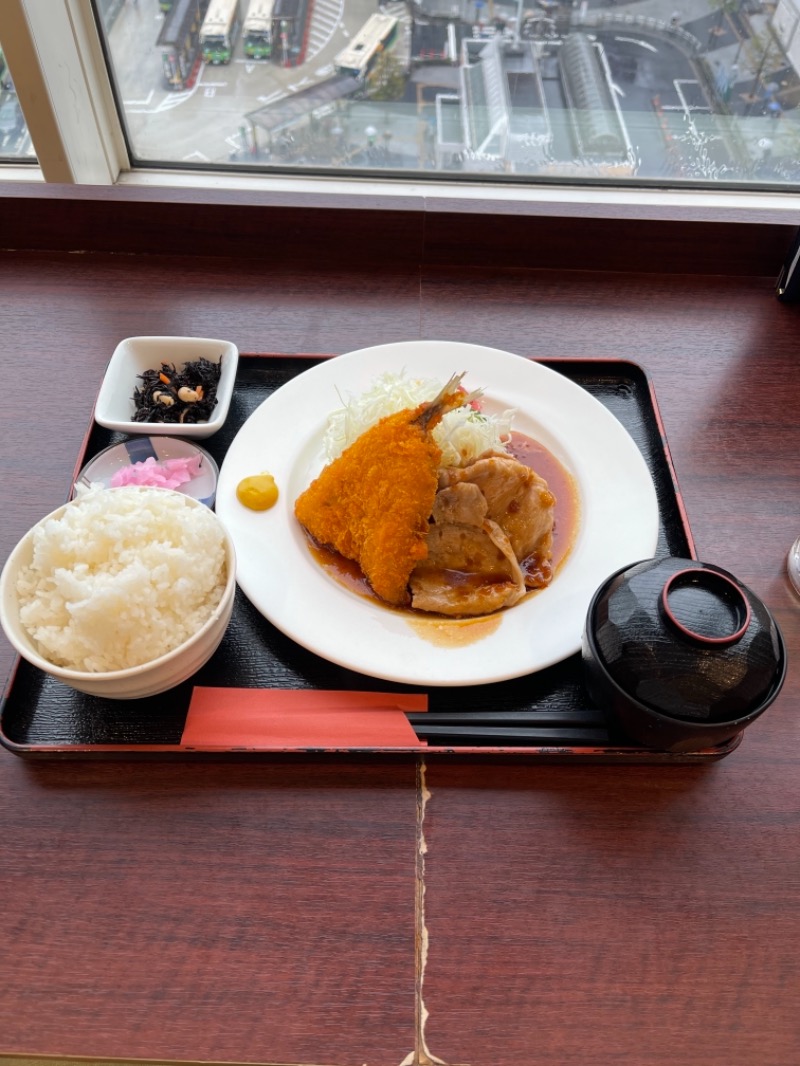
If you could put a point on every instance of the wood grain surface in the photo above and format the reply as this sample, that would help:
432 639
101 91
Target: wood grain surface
401 225
350 912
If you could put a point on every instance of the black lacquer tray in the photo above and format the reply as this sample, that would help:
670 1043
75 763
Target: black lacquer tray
41 718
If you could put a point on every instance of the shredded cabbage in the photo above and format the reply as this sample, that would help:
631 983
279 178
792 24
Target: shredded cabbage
463 434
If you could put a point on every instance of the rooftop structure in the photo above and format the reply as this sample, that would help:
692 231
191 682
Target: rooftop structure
596 122
502 118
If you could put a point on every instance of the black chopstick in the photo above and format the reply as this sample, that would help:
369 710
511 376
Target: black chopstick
499 734
568 719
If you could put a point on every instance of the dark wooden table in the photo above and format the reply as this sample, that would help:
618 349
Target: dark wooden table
344 912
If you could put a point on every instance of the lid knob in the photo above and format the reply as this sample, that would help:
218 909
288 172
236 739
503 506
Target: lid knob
705 607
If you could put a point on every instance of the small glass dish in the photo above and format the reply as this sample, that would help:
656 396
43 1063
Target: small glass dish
165 462
793 565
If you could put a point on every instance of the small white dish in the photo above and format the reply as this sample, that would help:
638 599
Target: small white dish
115 406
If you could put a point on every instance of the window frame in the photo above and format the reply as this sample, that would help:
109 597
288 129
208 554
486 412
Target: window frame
54 55
57 61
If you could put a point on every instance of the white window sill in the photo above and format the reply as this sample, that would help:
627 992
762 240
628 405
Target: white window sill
498 198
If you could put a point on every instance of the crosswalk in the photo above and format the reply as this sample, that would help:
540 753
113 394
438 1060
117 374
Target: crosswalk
326 15
399 10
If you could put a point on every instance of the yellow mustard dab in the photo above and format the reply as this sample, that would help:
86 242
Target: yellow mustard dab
258 492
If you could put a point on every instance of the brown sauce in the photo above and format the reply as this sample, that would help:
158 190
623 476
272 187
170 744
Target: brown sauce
531 453
453 632
345 571
456 632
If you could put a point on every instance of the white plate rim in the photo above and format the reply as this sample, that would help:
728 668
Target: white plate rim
619 520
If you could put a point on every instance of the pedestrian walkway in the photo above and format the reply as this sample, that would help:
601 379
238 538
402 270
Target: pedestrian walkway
397 9
715 31
751 73
326 17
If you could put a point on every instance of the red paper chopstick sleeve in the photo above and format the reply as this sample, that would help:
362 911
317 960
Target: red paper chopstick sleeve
290 719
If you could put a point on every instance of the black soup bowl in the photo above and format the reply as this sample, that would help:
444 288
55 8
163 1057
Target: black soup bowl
680 654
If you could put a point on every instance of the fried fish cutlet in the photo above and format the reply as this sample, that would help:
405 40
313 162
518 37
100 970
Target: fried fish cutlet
372 504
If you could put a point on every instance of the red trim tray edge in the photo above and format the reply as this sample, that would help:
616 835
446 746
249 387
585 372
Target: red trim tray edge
602 754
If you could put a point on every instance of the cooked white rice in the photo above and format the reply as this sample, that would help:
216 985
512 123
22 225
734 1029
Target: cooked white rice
121 577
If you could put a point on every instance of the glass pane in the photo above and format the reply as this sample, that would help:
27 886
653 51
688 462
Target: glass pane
678 92
15 142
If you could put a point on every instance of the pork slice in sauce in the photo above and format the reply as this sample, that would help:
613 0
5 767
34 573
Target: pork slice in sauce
519 501
471 567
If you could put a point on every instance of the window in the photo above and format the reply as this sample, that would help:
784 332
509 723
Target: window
685 94
15 141
552 89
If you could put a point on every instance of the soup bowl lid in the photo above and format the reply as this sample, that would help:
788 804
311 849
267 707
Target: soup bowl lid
686 639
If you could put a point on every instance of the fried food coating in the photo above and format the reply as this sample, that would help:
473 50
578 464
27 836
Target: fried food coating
372 504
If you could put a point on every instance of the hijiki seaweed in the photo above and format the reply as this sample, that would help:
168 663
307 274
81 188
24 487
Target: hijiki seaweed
186 396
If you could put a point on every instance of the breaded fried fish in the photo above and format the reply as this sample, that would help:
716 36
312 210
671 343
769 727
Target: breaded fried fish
372 504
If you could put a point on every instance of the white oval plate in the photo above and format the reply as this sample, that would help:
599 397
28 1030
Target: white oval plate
619 518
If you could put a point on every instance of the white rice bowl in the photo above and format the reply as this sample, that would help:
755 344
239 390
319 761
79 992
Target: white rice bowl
117 581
